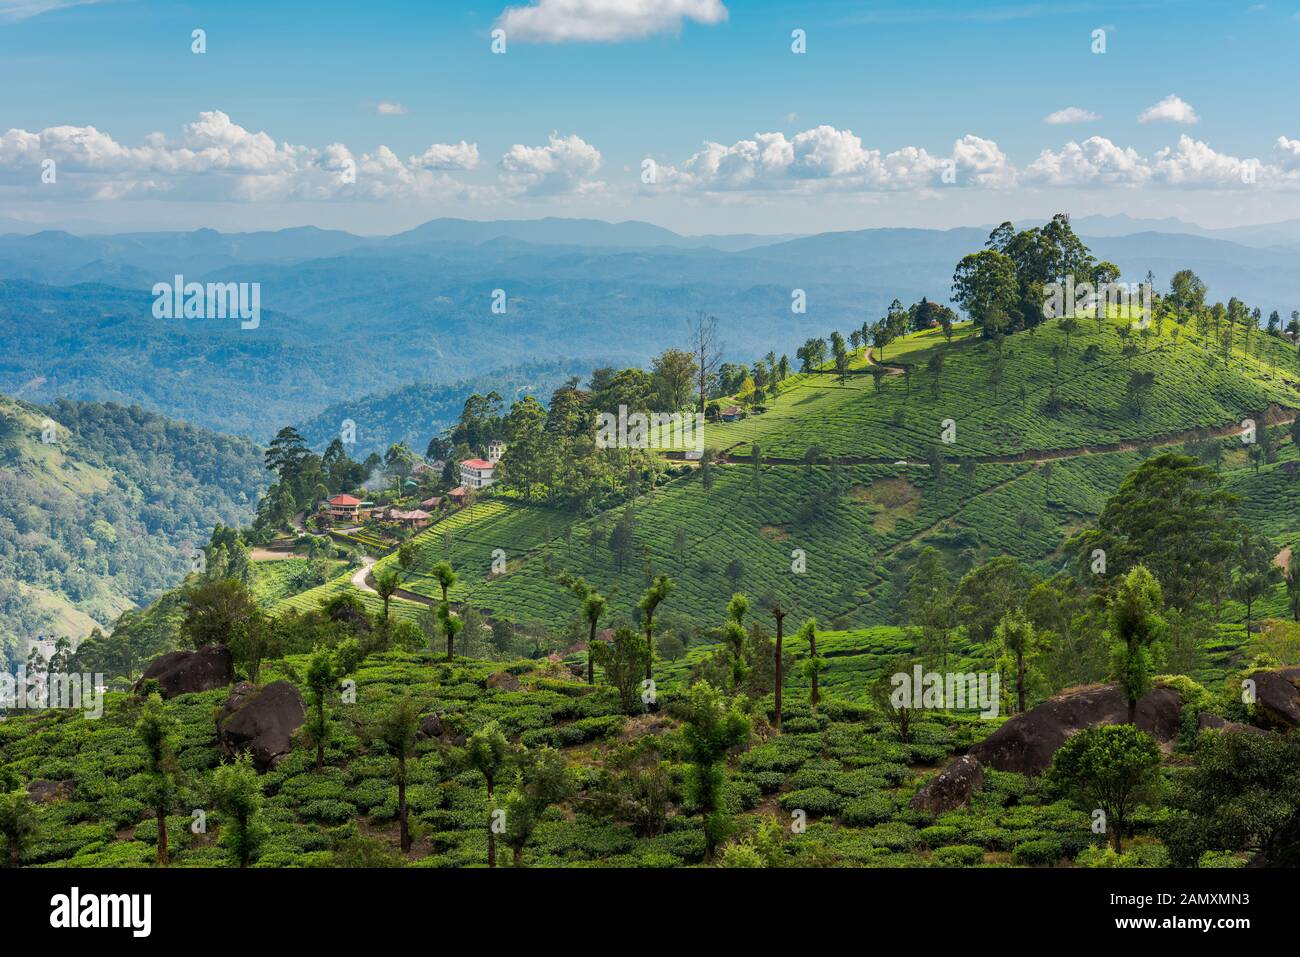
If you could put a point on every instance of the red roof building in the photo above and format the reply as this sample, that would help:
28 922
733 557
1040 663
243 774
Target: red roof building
344 506
477 473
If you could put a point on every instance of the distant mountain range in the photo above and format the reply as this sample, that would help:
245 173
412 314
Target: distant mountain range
1284 233
348 317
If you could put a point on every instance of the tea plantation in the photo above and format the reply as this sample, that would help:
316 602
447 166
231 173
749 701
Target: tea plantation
841 765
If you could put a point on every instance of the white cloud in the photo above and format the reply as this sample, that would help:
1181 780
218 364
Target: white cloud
460 155
828 158
1172 109
981 163
1193 163
215 158
1071 114
1094 162
1288 153
564 165
563 21
388 108
1097 162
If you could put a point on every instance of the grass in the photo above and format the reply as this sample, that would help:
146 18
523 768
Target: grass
313 598
852 419
275 581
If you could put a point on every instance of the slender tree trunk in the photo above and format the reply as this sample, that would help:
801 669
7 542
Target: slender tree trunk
320 740
649 648
780 665
162 837
519 857
1133 712
492 836
1020 682
449 646
13 850
591 665
401 804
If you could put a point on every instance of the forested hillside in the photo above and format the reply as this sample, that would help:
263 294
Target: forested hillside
103 516
413 413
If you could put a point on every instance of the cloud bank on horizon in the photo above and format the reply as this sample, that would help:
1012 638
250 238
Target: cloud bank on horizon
611 106
215 158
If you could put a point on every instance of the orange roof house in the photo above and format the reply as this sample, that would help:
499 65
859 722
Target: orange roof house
343 506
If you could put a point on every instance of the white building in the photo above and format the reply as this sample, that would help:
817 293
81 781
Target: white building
496 449
477 473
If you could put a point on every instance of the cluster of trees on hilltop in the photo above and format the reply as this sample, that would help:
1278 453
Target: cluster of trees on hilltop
751 384
1222 327
1002 287
897 322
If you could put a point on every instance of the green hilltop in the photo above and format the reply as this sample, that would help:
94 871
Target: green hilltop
852 471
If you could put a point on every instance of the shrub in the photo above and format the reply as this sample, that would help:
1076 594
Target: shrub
811 777
740 855
767 781
937 835
865 811
741 794
1143 855
329 812
816 801
894 835
958 855
778 755
1039 853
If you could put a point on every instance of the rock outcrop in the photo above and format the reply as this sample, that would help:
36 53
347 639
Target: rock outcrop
1277 697
503 680
432 726
184 672
47 792
952 787
261 722
1207 721
1026 742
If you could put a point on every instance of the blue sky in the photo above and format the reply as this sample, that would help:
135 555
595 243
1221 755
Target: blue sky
899 113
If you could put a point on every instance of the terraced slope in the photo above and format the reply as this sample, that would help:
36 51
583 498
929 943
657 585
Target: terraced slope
1024 475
